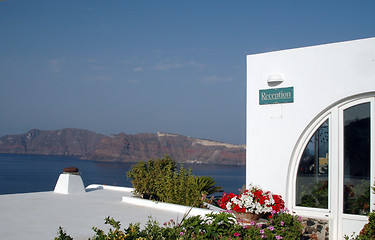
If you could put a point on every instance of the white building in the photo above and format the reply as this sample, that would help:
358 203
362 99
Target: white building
311 130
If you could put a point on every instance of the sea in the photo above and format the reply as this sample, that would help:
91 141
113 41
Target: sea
21 173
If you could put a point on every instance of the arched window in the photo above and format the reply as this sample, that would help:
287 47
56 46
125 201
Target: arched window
332 169
312 173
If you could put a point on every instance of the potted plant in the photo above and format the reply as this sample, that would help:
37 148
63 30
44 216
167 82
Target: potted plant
252 204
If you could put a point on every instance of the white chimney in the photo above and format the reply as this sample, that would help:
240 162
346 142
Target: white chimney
70 181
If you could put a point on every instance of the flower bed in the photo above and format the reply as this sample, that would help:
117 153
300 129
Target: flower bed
253 200
211 226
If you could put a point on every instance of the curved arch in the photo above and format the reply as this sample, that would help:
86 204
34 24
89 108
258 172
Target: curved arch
297 153
327 113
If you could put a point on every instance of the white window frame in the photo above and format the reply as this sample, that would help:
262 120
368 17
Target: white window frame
291 202
334 212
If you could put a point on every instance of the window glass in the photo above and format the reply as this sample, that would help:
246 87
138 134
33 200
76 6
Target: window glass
312 175
357 159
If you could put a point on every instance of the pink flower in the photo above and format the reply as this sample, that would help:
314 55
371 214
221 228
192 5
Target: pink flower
279 237
236 234
181 233
282 223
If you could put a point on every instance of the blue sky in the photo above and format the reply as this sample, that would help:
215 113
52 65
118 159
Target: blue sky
147 66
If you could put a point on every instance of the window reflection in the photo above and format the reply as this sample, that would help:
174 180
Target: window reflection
312 175
357 159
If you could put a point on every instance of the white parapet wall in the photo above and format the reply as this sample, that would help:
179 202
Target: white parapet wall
108 187
192 211
135 200
69 183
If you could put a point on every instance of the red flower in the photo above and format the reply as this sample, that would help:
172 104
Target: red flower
236 208
225 199
257 193
262 200
279 203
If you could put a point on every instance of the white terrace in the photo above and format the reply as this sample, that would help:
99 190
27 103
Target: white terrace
39 215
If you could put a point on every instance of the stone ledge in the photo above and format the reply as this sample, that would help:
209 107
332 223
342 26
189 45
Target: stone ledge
315 228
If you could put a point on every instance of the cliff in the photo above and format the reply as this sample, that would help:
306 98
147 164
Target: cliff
122 147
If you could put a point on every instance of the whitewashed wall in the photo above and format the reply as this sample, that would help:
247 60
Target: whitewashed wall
320 75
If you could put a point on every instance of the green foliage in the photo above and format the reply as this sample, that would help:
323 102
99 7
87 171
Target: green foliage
369 229
161 180
181 189
224 226
211 226
207 184
114 233
367 232
62 235
147 177
287 225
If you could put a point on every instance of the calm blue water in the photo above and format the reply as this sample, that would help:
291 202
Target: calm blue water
35 173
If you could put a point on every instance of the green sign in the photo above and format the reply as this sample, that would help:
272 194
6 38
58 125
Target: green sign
276 95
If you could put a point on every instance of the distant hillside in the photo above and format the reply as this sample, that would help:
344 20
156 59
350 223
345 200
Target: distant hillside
122 147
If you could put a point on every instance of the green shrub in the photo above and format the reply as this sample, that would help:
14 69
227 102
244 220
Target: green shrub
367 232
224 226
211 226
287 225
161 180
207 184
113 233
181 189
62 235
147 177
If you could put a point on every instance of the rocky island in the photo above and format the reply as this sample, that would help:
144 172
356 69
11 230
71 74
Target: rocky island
122 147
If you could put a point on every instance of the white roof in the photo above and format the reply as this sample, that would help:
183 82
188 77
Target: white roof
39 215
